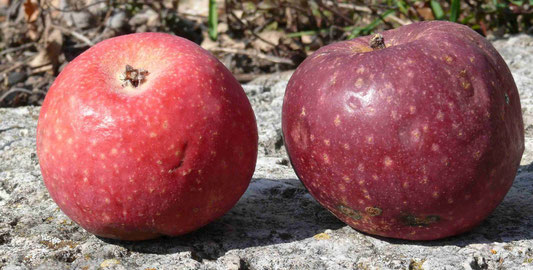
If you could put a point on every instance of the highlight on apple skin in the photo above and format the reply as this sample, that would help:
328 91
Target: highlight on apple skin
416 133
146 135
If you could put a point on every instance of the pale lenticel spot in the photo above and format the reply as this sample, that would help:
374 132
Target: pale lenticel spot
342 188
434 147
361 167
440 115
387 161
337 120
105 217
326 158
359 83
424 179
415 134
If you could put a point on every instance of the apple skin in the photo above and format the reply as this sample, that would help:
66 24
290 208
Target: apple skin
420 140
163 158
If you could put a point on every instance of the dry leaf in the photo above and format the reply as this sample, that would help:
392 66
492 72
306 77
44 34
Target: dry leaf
307 39
31 11
4 3
196 7
426 13
48 58
272 38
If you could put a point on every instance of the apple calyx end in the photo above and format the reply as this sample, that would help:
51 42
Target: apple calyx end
133 76
377 42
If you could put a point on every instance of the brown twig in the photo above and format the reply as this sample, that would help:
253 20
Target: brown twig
350 6
75 34
74 9
336 12
20 90
13 67
14 49
248 27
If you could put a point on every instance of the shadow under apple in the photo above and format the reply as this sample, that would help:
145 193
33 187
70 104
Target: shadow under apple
270 212
282 211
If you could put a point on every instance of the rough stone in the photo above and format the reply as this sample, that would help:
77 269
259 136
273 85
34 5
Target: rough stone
275 225
82 19
117 20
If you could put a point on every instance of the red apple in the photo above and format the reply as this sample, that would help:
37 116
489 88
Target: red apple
417 138
146 135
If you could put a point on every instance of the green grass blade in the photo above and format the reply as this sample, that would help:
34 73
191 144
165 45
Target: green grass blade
403 7
212 20
355 32
367 29
455 10
437 9
306 33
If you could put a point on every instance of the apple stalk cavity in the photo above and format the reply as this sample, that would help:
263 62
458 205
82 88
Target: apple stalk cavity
133 76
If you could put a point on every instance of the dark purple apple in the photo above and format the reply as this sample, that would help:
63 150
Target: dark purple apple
415 134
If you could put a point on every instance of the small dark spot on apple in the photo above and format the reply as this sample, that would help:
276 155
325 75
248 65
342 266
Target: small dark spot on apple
373 211
353 214
421 221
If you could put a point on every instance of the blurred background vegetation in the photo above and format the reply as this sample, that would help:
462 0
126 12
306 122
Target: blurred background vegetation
38 37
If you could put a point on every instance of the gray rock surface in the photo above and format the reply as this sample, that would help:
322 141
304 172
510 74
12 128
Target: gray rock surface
275 225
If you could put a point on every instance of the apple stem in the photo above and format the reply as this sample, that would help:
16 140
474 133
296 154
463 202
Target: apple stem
377 42
133 76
